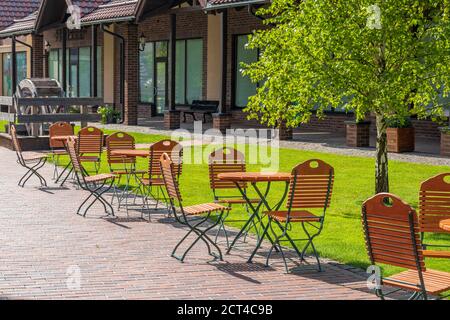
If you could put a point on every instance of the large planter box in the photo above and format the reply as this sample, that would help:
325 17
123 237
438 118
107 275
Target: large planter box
358 134
445 143
400 139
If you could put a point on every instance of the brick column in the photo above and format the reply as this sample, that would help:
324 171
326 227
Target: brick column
285 133
37 59
358 134
445 142
131 93
172 119
222 121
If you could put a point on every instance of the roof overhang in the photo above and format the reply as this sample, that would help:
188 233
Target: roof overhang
51 14
149 8
208 6
113 12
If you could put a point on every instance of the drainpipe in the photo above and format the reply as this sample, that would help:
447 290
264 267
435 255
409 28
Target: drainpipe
31 53
122 67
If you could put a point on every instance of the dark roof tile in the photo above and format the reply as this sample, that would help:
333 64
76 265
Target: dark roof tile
11 10
113 10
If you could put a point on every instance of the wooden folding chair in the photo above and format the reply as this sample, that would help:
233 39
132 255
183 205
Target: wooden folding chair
310 188
434 207
30 161
226 160
392 237
90 146
58 147
121 166
182 214
96 185
155 179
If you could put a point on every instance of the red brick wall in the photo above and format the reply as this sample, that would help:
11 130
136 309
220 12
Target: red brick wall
131 74
38 56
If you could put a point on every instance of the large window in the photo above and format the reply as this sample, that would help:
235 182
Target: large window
189 71
21 60
147 74
78 72
243 86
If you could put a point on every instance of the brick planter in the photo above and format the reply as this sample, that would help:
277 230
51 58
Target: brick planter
285 133
172 120
358 134
445 142
222 121
400 139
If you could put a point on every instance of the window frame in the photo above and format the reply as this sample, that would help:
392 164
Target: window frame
234 67
185 40
100 69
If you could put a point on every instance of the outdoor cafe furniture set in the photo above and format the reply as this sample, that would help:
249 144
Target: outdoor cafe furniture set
394 233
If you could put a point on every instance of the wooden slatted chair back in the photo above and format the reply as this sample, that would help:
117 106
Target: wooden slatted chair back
311 185
175 152
90 140
59 129
392 232
74 157
15 139
119 141
16 143
434 203
222 161
170 178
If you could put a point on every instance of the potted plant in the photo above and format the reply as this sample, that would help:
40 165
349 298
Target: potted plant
400 135
109 115
358 133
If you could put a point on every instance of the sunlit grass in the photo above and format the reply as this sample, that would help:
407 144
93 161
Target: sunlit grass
342 237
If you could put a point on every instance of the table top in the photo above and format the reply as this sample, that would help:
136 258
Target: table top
131 153
445 224
254 176
63 138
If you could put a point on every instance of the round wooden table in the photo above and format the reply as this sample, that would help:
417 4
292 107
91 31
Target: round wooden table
132 153
445 224
254 178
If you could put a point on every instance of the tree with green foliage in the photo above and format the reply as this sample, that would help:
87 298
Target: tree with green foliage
386 58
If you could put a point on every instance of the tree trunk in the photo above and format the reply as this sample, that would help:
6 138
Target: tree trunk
381 165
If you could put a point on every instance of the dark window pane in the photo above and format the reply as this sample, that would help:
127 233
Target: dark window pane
194 70
244 88
180 83
147 82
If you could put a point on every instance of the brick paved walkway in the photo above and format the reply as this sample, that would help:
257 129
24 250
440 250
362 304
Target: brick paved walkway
42 241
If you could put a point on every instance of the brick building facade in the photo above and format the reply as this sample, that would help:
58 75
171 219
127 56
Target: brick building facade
138 23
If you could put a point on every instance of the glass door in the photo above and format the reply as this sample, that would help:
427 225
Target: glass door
153 76
161 86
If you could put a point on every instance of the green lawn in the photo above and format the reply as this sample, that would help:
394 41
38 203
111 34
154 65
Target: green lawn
2 125
342 238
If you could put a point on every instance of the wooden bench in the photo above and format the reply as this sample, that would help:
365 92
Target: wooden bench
205 107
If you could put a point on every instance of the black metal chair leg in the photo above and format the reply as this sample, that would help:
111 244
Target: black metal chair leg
83 203
258 245
202 235
33 171
291 241
185 237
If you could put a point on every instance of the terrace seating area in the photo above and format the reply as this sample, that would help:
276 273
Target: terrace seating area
394 232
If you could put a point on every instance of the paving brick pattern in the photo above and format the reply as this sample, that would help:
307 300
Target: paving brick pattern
44 243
